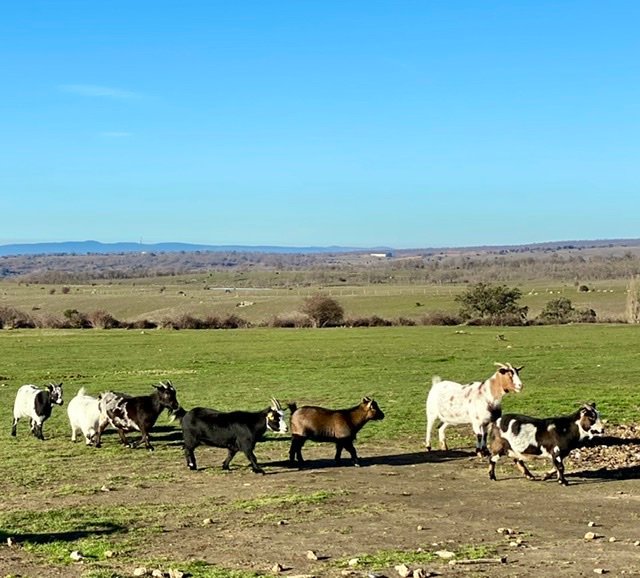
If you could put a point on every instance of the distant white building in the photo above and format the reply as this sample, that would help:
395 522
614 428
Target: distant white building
381 255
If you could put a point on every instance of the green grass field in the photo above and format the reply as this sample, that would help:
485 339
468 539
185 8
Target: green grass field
229 369
564 365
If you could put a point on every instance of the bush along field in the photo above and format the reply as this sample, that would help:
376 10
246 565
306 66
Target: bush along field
71 510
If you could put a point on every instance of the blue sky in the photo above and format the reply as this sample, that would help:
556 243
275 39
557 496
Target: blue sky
360 123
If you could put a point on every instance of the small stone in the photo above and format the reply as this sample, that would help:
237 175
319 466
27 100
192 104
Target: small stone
283 522
419 528
277 568
591 524
176 573
354 561
140 571
445 554
157 573
109 553
207 522
600 570
636 543
105 488
419 573
75 555
612 539
505 531
590 536
403 570
311 555
10 542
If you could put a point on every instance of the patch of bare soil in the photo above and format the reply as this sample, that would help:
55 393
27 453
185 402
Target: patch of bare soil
401 500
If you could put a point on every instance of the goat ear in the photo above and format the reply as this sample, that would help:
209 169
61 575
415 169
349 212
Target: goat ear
593 404
519 369
366 399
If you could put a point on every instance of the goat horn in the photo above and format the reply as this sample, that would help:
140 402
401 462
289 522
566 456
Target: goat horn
500 364
275 404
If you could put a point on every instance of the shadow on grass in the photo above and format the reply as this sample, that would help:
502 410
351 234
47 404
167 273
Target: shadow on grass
69 536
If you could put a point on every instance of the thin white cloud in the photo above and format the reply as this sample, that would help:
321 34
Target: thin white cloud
98 91
115 134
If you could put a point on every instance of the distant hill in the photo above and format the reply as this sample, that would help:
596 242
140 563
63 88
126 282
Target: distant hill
96 247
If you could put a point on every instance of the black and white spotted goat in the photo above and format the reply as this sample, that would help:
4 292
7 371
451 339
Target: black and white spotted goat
522 437
35 403
129 413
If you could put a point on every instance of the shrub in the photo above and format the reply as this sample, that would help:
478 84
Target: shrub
11 318
583 289
234 321
75 320
140 324
100 319
289 321
373 321
558 310
323 311
585 315
440 318
65 290
491 303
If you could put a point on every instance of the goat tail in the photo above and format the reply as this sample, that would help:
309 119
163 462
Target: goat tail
177 414
81 391
293 406
435 379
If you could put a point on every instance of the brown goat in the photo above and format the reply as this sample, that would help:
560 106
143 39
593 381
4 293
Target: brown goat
338 426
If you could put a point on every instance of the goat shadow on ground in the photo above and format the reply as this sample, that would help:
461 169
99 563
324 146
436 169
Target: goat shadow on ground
607 473
404 459
610 441
70 536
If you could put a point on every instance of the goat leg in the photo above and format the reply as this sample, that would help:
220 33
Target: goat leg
295 451
339 447
230 453
254 462
190 455
13 427
348 445
524 469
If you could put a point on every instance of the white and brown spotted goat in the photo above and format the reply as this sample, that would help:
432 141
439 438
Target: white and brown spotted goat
478 403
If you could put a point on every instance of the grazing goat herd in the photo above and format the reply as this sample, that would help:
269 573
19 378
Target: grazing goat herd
477 403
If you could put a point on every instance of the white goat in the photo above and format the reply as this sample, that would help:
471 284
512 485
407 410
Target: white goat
478 404
84 416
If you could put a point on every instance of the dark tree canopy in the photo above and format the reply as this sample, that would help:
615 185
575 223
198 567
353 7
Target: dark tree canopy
485 301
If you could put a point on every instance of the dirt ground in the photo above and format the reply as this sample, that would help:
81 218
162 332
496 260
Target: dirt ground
401 499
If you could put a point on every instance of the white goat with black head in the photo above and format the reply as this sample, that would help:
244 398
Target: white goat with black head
478 403
35 403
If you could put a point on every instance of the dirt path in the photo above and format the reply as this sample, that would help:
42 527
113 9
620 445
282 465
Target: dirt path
401 500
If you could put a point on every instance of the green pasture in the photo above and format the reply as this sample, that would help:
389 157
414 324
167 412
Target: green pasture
564 365
230 369
258 302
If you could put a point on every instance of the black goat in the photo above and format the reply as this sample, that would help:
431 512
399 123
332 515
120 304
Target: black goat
522 437
129 413
235 430
338 426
